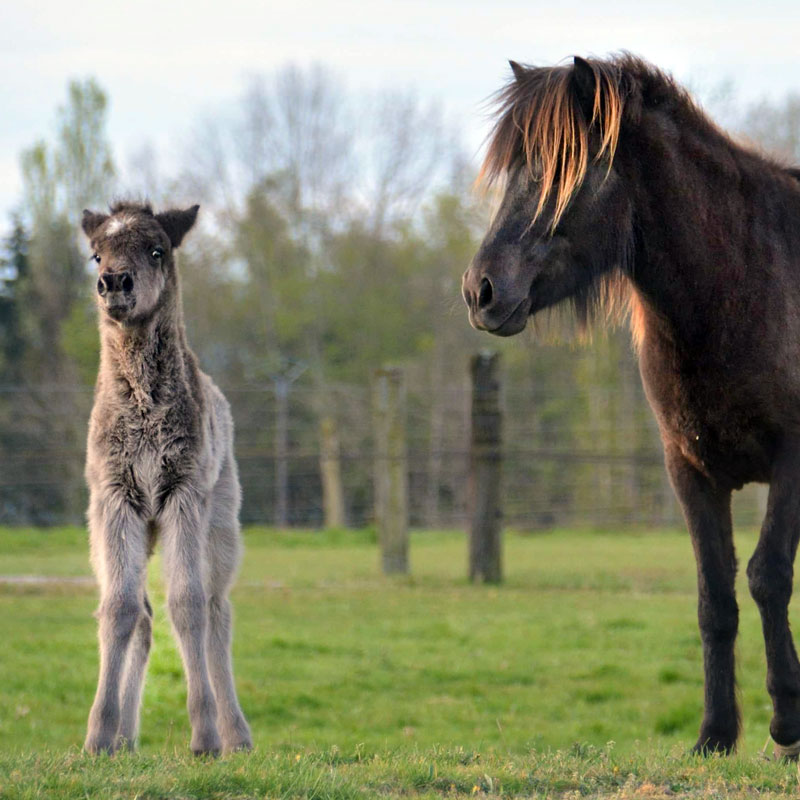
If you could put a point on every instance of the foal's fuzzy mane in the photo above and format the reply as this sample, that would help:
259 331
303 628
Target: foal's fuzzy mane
120 206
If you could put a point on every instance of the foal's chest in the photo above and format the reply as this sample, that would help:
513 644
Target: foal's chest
151 453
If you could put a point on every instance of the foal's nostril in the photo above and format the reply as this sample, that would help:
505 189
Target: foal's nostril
114 282
485 293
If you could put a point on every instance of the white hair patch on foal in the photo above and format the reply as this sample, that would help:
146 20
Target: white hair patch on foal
118 224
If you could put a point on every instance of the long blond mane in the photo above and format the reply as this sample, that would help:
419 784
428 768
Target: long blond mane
539 118
541 124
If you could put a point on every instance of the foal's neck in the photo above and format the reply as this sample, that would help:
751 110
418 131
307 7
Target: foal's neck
147 362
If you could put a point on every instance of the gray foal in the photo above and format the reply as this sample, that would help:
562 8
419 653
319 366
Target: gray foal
159 465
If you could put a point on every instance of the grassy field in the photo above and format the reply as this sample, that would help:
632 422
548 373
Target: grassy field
580 674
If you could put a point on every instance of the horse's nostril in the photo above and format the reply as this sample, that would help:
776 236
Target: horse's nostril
485 293
101 287
127 283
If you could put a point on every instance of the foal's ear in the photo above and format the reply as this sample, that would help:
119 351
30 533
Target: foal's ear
584 82
177 224
91 221
517 69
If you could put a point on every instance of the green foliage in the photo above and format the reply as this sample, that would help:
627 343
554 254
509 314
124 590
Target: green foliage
81 342
15 269
47 332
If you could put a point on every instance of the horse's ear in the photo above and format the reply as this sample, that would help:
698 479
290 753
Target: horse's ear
584 82
91 221
177 224
517 69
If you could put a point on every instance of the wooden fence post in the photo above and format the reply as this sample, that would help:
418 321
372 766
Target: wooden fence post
391 471
485 544
332 494
281 453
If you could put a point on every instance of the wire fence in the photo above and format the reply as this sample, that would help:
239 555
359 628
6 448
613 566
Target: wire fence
602 467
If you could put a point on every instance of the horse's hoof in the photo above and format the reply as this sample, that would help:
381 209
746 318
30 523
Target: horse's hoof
786 752
710 746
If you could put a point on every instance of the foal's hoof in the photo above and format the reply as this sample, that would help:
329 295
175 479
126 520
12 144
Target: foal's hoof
207 747
122 743
786 752
96 747
237 737
206 752
239 747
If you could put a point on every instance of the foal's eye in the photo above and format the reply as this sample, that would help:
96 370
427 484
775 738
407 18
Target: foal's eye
95 257
157 253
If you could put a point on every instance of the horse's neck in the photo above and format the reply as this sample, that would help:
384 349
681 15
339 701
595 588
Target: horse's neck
699 235
145 361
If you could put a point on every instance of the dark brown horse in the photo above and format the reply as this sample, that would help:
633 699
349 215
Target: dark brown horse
616 186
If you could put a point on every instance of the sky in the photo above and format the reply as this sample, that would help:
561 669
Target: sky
167 65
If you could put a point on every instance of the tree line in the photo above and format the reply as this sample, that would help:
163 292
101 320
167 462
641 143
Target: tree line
335 229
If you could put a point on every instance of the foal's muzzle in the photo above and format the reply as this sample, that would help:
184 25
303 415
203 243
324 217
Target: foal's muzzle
111 282
116 290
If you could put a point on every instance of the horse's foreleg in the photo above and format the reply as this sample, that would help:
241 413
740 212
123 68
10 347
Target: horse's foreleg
708 516
770 574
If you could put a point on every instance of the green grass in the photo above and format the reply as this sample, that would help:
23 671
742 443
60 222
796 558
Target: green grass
357 685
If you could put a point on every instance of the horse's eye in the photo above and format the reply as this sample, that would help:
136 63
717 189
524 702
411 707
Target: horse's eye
95 257
157 253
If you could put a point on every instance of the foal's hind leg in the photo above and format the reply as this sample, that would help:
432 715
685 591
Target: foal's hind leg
133 680
708 515
223 553
119 557
770 572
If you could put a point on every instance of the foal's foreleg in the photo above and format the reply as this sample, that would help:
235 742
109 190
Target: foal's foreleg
223 554
708 516
232 725
133 680
770 573
119 556
184 536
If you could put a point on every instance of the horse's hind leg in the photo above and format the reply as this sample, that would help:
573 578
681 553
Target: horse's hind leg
119 556
133 680
223 550
708 516
770 573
